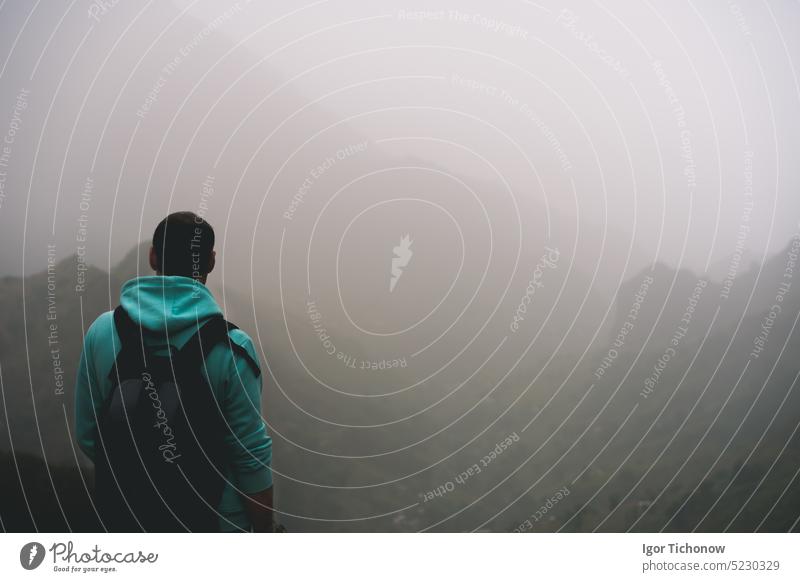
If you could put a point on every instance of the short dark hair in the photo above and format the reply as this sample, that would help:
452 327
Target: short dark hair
183 242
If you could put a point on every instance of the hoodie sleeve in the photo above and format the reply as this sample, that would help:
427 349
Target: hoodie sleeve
248 442
88 395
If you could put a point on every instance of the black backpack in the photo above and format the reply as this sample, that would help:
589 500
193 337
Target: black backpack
160 459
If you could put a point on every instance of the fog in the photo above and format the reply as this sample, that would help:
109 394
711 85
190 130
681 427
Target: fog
635 119
435 220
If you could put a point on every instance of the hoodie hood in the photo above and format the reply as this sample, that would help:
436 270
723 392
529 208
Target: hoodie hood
170 305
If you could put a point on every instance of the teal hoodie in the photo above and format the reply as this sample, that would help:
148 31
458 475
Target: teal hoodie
169 308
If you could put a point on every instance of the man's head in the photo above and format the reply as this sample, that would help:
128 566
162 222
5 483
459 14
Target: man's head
183 244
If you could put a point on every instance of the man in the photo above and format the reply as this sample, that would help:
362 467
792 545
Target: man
168 410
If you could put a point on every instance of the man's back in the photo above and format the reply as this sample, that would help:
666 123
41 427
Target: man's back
170 310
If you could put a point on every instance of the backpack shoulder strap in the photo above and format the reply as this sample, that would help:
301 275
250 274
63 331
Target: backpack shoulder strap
213 332
126 329
241 351
132 352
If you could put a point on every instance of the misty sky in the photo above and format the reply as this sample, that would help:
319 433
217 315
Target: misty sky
670 128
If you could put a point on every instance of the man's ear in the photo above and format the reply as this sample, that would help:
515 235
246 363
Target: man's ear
153 259
212 260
